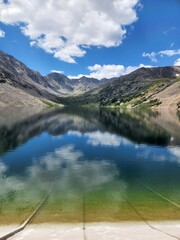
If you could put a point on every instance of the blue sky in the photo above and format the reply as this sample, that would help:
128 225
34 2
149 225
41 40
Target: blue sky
85 37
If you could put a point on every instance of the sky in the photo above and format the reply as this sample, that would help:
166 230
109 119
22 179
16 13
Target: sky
99 39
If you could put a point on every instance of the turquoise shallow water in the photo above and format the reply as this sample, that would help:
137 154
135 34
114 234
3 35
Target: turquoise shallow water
100 165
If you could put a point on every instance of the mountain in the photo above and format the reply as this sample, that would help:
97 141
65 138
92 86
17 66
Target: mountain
139 88
145 87
133 84
20 85
65 86
19 125
59 83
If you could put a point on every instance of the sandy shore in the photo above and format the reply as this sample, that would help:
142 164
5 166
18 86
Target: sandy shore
99 231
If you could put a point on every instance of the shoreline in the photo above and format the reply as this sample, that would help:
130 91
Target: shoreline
165 230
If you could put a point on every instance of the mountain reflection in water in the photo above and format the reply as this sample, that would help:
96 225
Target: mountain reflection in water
97 158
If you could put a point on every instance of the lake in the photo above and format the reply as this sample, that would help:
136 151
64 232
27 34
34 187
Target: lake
96 165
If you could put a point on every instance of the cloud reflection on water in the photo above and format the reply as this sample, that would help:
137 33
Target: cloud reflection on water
176 153
98 138
68 171
69 167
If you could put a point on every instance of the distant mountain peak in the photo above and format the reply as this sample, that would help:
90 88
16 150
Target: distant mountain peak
16 75
51 86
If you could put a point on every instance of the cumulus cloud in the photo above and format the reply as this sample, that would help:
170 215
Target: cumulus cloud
154 55
103 139
2 34
151 55
177 62
67 168
65 28
98 138
108 71
172 154
105 71
57 71
62 167
68 174
170 53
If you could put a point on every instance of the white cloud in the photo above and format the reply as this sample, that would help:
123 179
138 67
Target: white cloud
177 62
153 55
170 53
68 173
78 171
171 155
105 139
63 27
108 71
102 138
2 34
133 68
57 71
51 161
76 133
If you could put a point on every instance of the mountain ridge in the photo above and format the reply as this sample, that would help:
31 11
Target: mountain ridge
50 86
131 89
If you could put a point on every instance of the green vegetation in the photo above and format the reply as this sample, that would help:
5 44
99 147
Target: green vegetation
141 97
50 103
145 100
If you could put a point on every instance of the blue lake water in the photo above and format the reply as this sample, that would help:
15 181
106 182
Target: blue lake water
107 163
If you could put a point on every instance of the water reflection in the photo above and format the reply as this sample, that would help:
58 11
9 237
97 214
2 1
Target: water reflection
136 126
93 157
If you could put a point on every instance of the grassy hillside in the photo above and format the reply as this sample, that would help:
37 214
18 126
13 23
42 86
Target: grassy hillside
128 95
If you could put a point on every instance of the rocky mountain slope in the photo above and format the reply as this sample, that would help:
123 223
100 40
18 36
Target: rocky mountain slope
12 96
20 85
136 89
63 86
15 75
